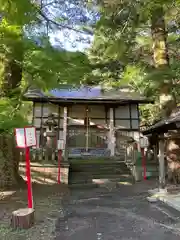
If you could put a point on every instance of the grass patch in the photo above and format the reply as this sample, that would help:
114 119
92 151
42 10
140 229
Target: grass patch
47 203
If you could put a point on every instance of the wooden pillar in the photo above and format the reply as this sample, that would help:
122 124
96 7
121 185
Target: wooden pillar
65 117
162 182
64 170
111 133
87 127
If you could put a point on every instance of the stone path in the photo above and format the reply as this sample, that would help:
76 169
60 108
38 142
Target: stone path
122 213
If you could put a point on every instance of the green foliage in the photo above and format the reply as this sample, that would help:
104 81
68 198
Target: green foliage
28 59
121 52
149 113
122 49
18 12
46 67
11 117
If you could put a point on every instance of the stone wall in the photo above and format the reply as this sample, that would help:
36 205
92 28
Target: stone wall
43 173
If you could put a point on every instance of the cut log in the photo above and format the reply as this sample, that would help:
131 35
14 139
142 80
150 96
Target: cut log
22 218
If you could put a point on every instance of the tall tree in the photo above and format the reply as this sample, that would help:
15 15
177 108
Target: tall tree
28 58
127 30
14 16
158 78
167 96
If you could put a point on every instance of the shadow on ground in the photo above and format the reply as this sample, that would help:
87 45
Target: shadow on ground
120 213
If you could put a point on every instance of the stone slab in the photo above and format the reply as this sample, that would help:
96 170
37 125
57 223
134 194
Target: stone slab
172 200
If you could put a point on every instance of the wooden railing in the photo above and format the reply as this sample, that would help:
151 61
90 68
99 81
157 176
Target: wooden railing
87 138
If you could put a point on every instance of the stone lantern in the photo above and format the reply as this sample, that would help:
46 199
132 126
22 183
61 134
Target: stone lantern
50 135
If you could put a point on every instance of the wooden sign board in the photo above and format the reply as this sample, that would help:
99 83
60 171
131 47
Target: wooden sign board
143 142
20 137
26 137
60 144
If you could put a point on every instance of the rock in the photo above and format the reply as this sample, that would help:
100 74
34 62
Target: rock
152 199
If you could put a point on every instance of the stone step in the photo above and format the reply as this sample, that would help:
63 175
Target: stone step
96 175
87 172
83 185
87 168
97 166
91 179
105 172
101 180
169 211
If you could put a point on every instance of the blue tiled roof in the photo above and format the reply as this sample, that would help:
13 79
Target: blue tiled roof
65 92
81 92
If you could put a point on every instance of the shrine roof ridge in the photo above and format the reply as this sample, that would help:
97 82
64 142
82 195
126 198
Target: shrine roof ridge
86 93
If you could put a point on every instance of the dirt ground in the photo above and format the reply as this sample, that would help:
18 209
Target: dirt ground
48 202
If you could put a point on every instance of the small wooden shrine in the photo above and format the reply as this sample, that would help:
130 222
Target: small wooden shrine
165 137
91 121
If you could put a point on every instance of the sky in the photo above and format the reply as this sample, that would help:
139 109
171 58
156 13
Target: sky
74 15
69 42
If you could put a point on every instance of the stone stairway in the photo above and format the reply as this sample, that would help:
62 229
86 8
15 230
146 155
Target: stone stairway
89 172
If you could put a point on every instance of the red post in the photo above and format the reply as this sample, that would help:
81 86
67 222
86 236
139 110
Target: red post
143 163
59 165
28 175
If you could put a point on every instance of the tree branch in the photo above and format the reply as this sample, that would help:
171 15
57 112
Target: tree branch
59 25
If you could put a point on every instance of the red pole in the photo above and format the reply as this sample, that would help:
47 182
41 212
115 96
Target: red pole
28 175
59 165
143 163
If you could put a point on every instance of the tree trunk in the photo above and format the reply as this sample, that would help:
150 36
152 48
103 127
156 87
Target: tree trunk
173 157
159 35
13 69
12 78
22 218
161 61
10 88
7 177
9 162
167 101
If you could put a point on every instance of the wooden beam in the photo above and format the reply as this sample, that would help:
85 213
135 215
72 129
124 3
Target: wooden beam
41 126
59 112
65 114
87 126
111 132
162 182
138 114
33 116
130 115
106 114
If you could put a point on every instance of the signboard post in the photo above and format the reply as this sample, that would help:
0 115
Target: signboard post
26 138
143 163
143 144
60 146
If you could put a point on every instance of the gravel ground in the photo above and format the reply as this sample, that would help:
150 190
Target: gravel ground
121 213
92 214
